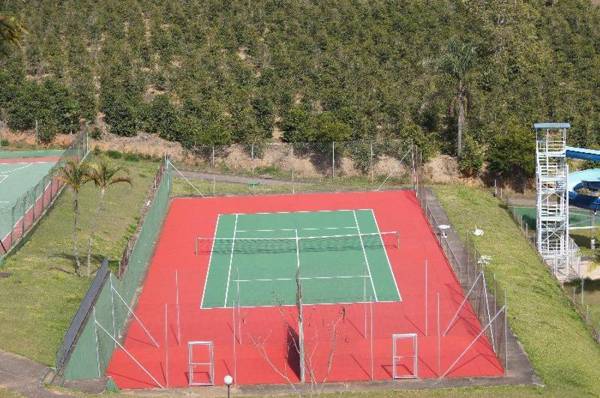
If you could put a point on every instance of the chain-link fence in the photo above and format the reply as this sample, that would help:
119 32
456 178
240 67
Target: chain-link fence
97 327
481 289
32 205
296 167
581 292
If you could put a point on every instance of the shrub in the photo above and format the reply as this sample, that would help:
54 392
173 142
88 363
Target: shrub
51 104
471 160
95 133
122 114
512 154
132 157
162 117
114 154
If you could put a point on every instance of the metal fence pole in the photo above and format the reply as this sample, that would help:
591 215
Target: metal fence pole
212 158
371 167
333 159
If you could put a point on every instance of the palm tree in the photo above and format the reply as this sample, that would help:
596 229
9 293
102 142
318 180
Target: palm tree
75 176
458 62
104 176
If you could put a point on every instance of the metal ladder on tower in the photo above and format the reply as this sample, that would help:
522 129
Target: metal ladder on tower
552 196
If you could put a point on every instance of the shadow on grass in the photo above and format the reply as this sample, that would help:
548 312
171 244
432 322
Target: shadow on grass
96 262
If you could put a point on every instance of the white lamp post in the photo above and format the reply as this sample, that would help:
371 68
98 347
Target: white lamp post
228 380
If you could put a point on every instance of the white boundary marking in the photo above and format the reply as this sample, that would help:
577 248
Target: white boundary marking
239 231
365 255
210 261
290 305
308 278
296 211
297 254
25 165
3 177
304 305
386 255
231 259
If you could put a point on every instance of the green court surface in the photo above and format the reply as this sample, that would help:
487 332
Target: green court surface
31 154
15 180
341 257
577 217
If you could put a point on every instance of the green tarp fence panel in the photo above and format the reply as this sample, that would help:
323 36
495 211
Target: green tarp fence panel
91 351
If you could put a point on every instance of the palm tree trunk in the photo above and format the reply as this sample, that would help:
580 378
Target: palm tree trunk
75 225
93 232
461 125
461 117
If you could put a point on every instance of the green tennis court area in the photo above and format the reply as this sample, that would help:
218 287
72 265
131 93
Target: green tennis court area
578 218
16 179
335 256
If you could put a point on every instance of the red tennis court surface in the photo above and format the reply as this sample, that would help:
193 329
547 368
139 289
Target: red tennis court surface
362 346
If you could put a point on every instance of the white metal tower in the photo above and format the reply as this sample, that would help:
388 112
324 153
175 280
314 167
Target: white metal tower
552 196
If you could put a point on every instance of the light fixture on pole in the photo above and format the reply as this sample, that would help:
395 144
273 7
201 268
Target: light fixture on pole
228 380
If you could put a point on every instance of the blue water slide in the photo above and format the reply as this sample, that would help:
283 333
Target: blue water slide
585 179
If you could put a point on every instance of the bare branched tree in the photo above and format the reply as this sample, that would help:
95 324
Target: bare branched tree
297 346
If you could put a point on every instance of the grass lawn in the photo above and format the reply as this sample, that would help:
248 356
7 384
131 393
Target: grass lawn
4 393
41 295
560 347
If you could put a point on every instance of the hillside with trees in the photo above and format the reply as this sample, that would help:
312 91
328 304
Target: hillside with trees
462 78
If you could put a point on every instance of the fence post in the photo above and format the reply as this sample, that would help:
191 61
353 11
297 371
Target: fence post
371 169
12 226
291 160
333 159
23 209
212 158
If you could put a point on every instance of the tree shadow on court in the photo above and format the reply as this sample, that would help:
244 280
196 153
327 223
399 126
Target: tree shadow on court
293 352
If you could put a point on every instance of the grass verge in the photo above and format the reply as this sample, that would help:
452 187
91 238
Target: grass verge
560 347
41 293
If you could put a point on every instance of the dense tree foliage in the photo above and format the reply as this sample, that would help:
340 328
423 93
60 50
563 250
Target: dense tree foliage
216 72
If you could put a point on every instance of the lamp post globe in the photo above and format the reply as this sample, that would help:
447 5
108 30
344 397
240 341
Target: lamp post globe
228 380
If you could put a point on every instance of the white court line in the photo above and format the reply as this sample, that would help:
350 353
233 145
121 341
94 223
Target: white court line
3 177
239 231
8 172
231 259
298 254
308 278
386 255
365 254
304 305
288 212
210 261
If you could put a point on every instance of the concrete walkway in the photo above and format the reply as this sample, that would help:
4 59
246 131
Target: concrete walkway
197 175
24 376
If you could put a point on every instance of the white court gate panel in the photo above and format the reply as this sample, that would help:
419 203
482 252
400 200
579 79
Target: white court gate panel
405 351
201 363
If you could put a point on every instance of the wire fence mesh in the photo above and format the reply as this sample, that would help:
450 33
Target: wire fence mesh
32 205
296 167
481 287
102 329
86 353
583 299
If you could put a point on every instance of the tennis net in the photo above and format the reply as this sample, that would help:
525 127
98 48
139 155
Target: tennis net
325 243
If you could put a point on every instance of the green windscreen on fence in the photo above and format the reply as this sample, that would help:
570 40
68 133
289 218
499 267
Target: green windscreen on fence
92 350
